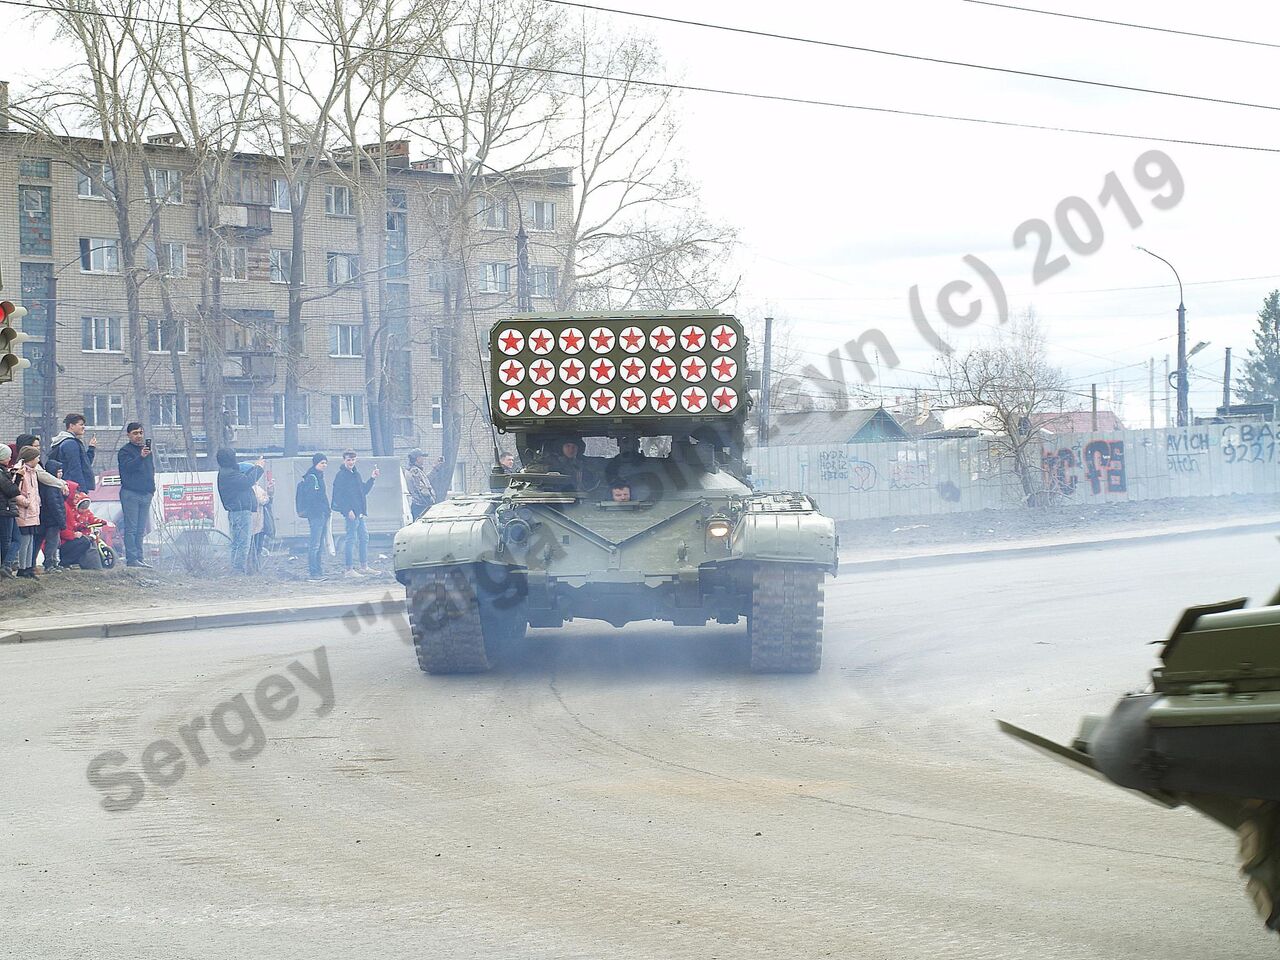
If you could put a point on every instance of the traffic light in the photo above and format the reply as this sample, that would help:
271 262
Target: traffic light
11 339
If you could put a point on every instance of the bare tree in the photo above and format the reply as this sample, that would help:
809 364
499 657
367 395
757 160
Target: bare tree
1011 379
638 237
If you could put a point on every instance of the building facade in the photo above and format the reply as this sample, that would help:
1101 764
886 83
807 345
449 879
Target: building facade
212 302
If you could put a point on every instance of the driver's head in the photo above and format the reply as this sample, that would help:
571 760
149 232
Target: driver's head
569 449
621 492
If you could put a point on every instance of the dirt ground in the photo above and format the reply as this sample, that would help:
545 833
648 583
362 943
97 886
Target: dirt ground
985 527
205 579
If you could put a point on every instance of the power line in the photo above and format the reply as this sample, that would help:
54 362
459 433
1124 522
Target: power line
662 84
1122 23
835 45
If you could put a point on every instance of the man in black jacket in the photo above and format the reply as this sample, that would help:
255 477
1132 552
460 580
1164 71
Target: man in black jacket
74 453
53 517
137 487
235 489
351 499
312 503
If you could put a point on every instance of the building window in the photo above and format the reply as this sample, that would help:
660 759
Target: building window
236 406
160 336
33 200
165 185
282 266
494 278
435 276
96 183
540 215
442 207
233 264
346 410
35 221
34 168
342 268
99 255
281 198
164 410
337 200
437 413
437 342
100 334
544 281
303 411
491 213
346 340
174 261
103 410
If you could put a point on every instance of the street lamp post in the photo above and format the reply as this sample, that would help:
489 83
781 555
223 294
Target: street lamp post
524 297
1182 341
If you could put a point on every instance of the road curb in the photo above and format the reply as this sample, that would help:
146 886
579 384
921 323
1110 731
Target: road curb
1070 546
354 613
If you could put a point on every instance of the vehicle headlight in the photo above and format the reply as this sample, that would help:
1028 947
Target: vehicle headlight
719 526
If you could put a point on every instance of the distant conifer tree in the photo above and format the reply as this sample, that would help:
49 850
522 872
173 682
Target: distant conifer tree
1260 382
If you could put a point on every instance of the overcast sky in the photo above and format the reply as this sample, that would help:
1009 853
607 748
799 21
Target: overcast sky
840 211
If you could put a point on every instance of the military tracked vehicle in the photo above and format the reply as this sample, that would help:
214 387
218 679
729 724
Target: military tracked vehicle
1205 735
666 528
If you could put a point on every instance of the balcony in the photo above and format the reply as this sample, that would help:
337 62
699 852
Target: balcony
247 219
249 367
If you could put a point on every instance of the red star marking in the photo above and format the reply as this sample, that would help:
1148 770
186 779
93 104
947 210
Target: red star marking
602 400
512 341
571 340
723 338
602 340
633 338
542 400
693 399
513 402
541 342
512 371
663 399
573 370
571 401
633 369
634 399
664 369
725 399
662 338
694 369
602 369
542 371
724 368
692 339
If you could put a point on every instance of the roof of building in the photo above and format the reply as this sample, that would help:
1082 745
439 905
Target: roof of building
835 426
1076 421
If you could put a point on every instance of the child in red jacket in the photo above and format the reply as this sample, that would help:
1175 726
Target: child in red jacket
77 547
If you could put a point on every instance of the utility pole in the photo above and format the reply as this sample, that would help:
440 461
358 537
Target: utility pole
1226 384
1167 421
766 375
49 360
1094 390
524 298
1182 341
1151 391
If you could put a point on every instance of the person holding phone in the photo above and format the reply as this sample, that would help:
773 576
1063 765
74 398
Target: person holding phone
137 487
351 500
235 489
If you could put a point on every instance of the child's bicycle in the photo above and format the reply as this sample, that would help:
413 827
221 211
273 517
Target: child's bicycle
96 543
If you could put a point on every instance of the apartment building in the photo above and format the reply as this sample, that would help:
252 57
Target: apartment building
60 257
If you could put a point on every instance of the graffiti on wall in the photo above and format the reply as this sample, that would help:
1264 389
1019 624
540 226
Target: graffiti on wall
1248 443
1186 452
1100 461
910 471
833 465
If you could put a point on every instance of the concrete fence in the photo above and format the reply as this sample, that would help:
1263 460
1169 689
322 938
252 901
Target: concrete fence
862 480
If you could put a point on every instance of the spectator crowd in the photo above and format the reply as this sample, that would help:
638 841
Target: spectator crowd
47 522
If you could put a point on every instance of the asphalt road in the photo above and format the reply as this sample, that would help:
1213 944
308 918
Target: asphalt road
628 794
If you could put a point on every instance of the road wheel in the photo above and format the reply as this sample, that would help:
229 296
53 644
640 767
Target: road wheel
785 624
1260 860
459 623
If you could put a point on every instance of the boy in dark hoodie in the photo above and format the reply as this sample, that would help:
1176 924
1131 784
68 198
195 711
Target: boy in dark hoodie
53 517
311 500
235 490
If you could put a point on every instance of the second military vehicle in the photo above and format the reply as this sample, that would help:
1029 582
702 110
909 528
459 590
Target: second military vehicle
667 528
1205 735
